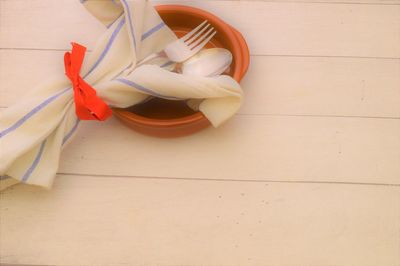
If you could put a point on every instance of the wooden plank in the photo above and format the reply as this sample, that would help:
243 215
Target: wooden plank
370 2
322 86
262 148
275 85
247 147
271 28
124 221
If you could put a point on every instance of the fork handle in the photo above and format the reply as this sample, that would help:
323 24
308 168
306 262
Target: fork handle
150 57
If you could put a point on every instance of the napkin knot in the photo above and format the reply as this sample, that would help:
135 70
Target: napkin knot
88 105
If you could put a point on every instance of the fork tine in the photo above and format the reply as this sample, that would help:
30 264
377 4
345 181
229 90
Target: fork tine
201 45
190 40
189 34
203 38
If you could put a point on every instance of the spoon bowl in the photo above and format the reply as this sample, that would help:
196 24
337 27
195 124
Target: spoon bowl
208 63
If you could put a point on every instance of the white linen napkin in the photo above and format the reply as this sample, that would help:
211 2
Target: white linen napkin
33 131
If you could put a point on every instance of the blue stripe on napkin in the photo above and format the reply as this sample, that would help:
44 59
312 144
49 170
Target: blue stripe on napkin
32 113
130 22
34 164
152 30
71 132
146 90
108 46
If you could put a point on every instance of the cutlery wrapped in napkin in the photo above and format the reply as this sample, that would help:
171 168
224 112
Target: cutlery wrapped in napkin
35 129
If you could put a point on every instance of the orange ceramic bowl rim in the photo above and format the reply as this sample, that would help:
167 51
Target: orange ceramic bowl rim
240 54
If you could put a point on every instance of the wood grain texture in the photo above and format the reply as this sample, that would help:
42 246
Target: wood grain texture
370 2
271 28
274 85
123 221
329 86
248 147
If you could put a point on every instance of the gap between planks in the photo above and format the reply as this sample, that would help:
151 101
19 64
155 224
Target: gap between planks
305 115
251 54
230 180
333 2
321 2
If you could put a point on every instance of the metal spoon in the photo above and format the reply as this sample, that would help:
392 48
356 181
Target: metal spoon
208 63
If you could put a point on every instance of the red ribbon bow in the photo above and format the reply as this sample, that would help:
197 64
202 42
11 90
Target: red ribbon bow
88 105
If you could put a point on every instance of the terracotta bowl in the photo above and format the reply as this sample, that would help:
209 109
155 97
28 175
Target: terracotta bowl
164 118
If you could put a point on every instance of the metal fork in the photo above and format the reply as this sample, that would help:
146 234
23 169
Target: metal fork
187 46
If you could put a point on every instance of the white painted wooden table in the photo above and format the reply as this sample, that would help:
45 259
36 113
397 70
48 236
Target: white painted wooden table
308 173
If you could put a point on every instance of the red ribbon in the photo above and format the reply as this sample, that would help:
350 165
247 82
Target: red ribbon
88 105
